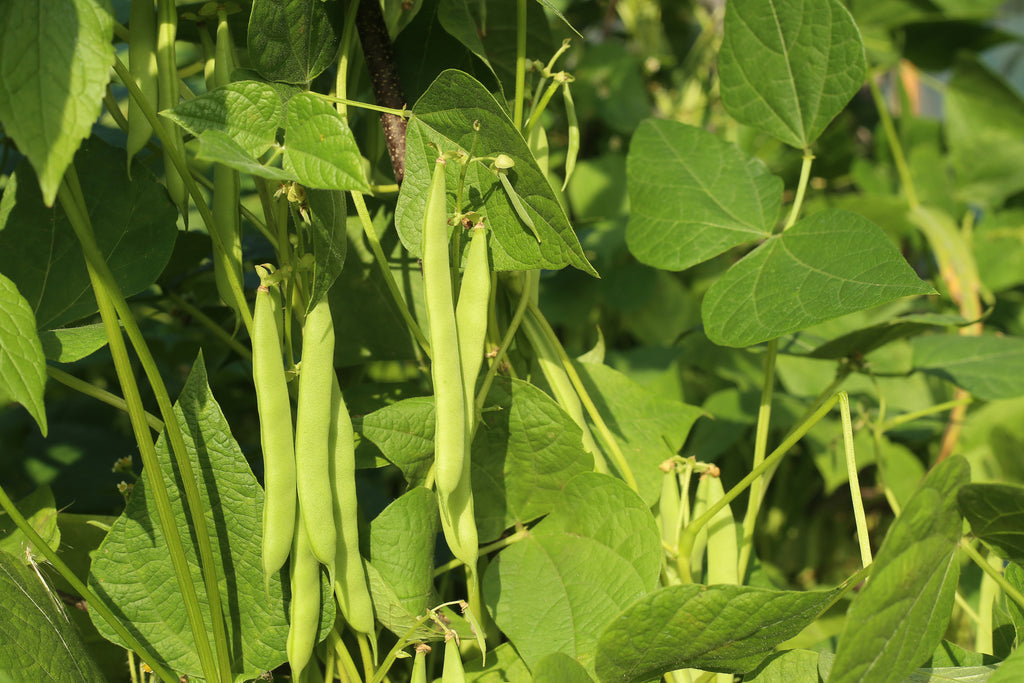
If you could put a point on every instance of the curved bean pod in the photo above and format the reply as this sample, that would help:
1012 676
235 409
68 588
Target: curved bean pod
453 671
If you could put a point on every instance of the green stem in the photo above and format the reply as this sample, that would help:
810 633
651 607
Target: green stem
996 575
385 666
506 342
344 55
389 278
520 63
764 414
404 113
539 107
101 395
484 550
689 534
181 164
210 324
894 145
801 189
851 470
113 302
918 414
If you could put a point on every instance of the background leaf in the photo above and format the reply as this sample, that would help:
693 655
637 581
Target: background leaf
135 226
693 196
22 362
68 344
788 67
55 60
445 116
996 514
897 620
39 509
989 366
825 266
293 41
330 241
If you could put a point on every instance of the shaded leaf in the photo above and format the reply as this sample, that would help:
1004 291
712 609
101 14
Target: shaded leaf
825 266
996 514
788 67
68 344
293 41
40 511
218 146
694 196
330 241
790 666
897 620
559 667
55 60
135 225
988 366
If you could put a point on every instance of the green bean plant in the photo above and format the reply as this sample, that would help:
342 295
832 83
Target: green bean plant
552 341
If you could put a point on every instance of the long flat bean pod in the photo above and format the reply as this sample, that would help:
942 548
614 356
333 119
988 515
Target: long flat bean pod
350 584
446 372
471 319
454 671
167 96
312 433
276 435
143 68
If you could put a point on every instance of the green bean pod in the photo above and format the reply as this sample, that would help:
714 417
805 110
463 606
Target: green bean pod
142 65
419 664
573 150
723 547
351 587
453 671
276 436
446 372
304 610
167 97
312 433
471 320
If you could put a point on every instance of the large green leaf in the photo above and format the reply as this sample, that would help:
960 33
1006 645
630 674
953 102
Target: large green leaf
445 116
132 570
648 427
293 41
897 621
40 644
319 147
249 112
55 59
134 222
693 196
525 451
789 666
404 433
788 67
716 628
989 366
594 554
559 667
503 665
402 556
825 266
218 146
22 362
996 514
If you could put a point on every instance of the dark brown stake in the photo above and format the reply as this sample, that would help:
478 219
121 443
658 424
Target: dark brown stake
387 90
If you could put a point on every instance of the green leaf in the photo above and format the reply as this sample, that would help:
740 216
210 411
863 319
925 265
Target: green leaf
559 667
648 428
867 339
132 569
693 196
997 241
897 620
525 452
825 266
22 362
293 41
330 241
721 628
596 552
404 433
39 509
503 665
55 60
135 226
988 366
68 344
788 67
402 554
319 148
996 514
40 644
445 116
248 112
218 146
790 666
